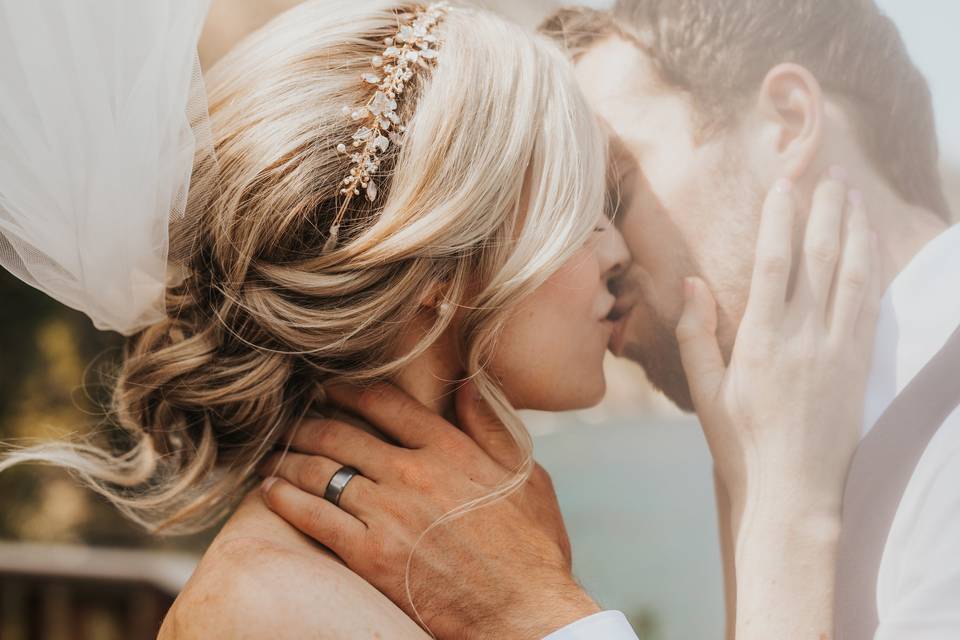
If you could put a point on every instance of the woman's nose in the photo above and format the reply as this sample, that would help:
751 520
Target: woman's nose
612 251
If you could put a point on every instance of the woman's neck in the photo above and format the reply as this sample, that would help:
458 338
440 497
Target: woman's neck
433 377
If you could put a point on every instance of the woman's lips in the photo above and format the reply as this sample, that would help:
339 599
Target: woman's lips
619 318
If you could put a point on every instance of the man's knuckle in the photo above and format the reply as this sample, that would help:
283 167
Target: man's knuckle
407 414
317 522
393 550
311 474
322 436
454 443
366 400
410 474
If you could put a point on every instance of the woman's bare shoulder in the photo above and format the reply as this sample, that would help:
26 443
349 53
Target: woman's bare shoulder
257 587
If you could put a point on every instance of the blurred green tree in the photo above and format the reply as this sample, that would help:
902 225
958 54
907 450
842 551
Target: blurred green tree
55 372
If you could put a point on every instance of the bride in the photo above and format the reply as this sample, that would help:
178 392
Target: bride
383 192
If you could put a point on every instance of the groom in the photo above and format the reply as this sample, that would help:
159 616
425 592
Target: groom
709 102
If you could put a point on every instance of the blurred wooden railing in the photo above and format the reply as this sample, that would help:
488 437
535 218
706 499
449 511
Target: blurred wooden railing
84 593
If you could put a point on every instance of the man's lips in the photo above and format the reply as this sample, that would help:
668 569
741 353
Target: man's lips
619 317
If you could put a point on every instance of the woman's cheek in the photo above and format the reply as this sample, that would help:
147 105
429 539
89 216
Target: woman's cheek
549 356
559 366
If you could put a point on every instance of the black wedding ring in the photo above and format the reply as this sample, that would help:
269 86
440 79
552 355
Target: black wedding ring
338 483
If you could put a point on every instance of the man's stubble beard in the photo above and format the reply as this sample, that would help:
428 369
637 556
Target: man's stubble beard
659 356
656 348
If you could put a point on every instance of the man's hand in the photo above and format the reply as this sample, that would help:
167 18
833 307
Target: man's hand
499 571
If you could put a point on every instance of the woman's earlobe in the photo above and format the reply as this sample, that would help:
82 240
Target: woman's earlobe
435 298
445 309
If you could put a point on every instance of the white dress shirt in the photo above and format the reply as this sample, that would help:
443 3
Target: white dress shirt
918 587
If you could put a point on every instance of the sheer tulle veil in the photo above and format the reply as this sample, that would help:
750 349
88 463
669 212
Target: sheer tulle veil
103 116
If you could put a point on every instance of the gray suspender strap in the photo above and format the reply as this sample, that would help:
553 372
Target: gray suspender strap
879 474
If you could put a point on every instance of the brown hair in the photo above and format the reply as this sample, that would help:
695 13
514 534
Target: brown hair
719 51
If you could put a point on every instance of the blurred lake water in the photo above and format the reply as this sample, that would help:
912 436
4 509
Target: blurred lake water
637 496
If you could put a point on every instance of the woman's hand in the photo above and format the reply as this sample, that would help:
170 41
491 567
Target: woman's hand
783 419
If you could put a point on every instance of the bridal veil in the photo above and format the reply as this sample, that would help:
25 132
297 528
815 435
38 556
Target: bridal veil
103 116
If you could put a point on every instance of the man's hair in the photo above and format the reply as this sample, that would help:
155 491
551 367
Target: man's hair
719 51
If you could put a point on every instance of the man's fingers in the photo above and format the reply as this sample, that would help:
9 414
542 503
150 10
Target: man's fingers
479 422
821 246
697 336
313 473
393 412
774 258
341 441
853 278
326 523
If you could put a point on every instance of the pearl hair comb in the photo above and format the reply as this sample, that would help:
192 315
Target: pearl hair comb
414 46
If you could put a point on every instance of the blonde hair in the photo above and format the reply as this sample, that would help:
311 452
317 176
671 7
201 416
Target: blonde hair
499 181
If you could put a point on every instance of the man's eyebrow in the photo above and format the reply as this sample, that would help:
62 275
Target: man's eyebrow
619 155
620 163
614 193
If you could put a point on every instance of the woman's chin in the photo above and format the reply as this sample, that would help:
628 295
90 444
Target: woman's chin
597 397
585 395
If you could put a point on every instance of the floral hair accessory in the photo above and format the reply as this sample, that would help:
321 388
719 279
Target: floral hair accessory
413 47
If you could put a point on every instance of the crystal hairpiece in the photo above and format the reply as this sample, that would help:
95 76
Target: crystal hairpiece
415 45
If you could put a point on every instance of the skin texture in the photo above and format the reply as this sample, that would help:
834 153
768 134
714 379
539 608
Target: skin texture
686 210
550 354
406 489
262 578
794 356
690 204
783 419
692 208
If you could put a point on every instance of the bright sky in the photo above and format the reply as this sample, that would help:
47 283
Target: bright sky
929 28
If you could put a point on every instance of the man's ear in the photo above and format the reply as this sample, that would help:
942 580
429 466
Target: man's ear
790 106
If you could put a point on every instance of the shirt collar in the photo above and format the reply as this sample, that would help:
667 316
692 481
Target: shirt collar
919 313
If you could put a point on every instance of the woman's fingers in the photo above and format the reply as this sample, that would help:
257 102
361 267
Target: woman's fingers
821 246
344 442
774 258
320 519
866 328
697 336
312 474
853 277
